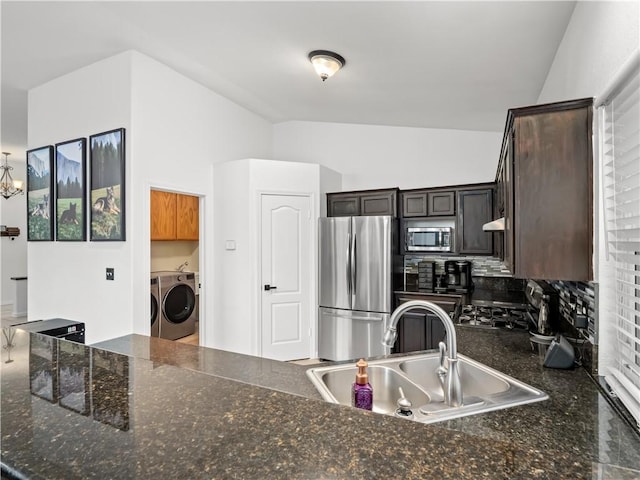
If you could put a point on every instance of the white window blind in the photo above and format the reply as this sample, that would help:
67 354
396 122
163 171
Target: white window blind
619 114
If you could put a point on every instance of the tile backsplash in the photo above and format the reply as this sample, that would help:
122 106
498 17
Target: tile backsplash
578 309
482 266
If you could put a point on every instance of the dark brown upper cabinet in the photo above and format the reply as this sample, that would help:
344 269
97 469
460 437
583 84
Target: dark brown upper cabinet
414 204
342 205
475 208
546 172
426 203
365 202
442 203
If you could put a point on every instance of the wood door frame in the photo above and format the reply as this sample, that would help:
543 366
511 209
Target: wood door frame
313 259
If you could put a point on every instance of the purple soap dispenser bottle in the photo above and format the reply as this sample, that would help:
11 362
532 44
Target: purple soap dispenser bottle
362 393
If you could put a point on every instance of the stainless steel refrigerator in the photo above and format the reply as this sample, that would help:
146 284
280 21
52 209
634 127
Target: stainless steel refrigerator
356 285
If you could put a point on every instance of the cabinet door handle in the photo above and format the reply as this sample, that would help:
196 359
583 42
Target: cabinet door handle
269 287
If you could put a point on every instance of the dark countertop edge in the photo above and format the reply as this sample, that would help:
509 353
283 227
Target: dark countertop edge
11 473
436 426
479 296
615 403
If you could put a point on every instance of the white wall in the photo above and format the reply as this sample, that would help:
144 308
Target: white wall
233 311
599 38
370 156
238 186
180 130
176 130
13 253
67 279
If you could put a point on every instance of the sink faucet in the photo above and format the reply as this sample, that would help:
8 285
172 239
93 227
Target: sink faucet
182 266
452 386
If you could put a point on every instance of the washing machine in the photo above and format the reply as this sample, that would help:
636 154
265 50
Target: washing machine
155 307
177 304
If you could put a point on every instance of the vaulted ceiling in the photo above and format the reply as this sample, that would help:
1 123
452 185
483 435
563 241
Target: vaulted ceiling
457 65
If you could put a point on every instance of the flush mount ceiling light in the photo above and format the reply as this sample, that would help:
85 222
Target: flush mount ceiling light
8 186
326 63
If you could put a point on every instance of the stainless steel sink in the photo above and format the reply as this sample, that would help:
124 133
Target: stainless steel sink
484 389
387 380
477 379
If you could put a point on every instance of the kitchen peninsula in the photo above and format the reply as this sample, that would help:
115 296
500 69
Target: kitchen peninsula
153 408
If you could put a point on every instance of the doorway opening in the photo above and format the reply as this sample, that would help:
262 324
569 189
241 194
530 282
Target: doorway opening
175 265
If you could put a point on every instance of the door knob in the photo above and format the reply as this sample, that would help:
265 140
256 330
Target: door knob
269 287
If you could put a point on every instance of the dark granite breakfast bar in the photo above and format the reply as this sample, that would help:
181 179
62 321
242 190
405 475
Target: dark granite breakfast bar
140 407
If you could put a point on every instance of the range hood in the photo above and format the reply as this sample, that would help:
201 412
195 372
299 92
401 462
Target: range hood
495 226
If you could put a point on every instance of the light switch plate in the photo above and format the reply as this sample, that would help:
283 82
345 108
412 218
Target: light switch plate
230 245
111 274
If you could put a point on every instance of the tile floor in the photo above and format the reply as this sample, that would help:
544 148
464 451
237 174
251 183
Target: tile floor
191 339
6 316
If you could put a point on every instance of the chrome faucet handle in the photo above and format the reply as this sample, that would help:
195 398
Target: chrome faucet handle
443 355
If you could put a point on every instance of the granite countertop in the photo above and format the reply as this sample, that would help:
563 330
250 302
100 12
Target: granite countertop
169 410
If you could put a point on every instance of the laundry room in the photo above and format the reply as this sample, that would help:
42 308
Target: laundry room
175 257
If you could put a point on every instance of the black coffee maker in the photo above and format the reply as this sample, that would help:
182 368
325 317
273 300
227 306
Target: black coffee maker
457 276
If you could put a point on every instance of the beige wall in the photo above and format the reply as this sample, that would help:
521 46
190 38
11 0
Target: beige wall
168 255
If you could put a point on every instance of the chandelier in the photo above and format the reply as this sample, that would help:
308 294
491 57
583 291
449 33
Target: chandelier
8 186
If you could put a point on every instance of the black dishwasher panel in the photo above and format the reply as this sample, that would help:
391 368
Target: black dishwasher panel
56 327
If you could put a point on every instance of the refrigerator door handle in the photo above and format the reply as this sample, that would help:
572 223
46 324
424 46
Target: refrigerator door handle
354 268
349 277
358 318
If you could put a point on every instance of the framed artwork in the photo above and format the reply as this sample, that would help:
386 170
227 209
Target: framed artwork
71 164
39 194
107 186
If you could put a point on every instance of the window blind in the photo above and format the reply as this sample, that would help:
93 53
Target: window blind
620 274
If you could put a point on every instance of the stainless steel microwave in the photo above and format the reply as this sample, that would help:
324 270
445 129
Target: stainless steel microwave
429 239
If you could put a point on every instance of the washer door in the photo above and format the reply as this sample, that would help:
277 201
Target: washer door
154 309
179 303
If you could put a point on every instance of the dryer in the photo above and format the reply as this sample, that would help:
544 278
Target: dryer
177 304
155 307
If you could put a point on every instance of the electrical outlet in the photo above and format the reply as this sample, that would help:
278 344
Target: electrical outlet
111 274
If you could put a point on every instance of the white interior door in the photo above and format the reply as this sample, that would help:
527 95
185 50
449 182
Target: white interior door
286 276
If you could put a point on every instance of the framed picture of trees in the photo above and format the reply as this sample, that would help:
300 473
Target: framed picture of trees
71 190
107 186
39 194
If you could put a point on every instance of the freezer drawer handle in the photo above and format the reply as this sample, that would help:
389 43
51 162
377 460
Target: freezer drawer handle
269 287
365 319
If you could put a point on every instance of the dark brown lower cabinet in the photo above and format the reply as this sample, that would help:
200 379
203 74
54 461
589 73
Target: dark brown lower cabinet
419 331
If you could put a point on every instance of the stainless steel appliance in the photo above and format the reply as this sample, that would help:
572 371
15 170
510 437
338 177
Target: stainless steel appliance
155 307
544 313
429 239
178 304
507 315
457 277
356 285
